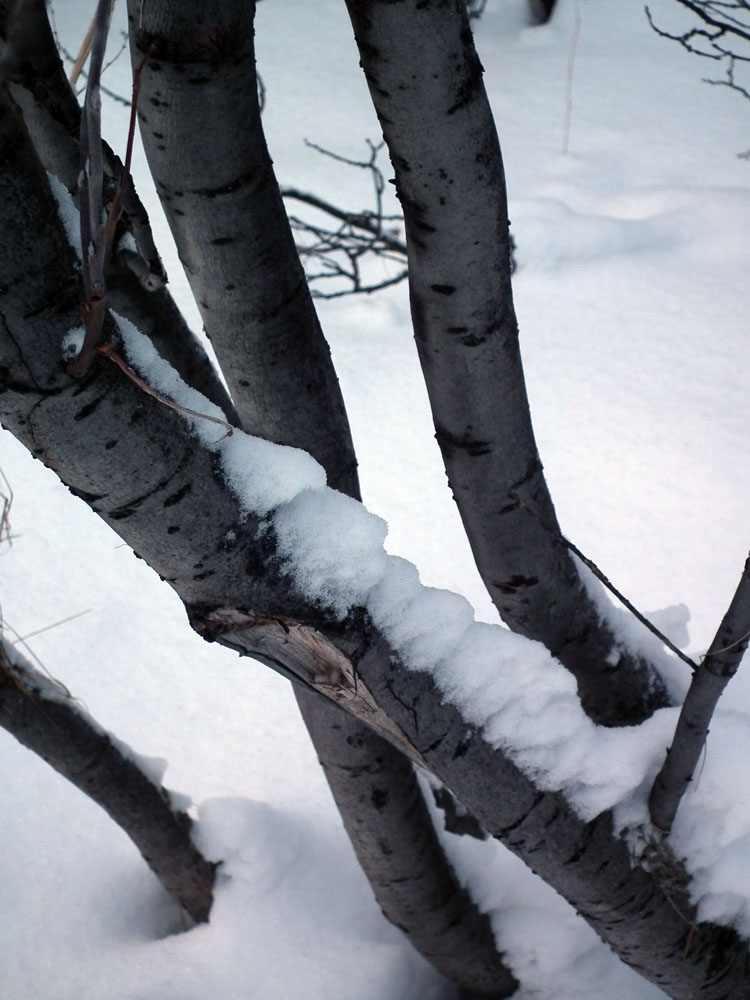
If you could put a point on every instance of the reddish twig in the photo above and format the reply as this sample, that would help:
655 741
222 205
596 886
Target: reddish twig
97 239
109 352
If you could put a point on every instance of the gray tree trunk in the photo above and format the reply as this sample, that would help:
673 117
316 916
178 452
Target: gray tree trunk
162 492
135 462
425 80
271 345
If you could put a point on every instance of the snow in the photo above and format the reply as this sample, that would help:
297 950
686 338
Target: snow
68 213
262 475
630 291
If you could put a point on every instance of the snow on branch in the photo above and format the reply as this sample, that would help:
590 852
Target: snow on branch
516 694
42 715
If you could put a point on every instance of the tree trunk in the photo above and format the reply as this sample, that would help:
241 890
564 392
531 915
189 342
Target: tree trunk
137 464
279 345
425 80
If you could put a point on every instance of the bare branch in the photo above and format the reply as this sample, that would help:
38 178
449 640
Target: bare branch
6 502
711 677
363 238
590 564
42 715
727 24
83 52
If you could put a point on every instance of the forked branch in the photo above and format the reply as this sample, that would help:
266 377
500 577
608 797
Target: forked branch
723 35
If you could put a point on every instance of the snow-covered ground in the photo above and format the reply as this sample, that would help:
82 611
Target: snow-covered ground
632 247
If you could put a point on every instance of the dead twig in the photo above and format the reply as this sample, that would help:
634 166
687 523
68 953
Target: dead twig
723 31
6 502
83 53
98 235
109 352
345 254
590 564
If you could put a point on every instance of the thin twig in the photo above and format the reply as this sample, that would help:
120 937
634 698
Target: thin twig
569 78
7 503
48 628
590 564
91 207
341 253
713 41
116 208
97 239
108 351
628 604
83 53
709 681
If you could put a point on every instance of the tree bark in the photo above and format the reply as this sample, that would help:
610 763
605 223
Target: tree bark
136 463
45 719
391 830
201 128
52 116
425 80
313 416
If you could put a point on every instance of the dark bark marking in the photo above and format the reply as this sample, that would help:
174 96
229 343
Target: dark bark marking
89 498
379 798
451 442
443 289
505 833
508 509
228 188
435 744
471 85
124 511
88 409
199 44
179 495
515 583
463 746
